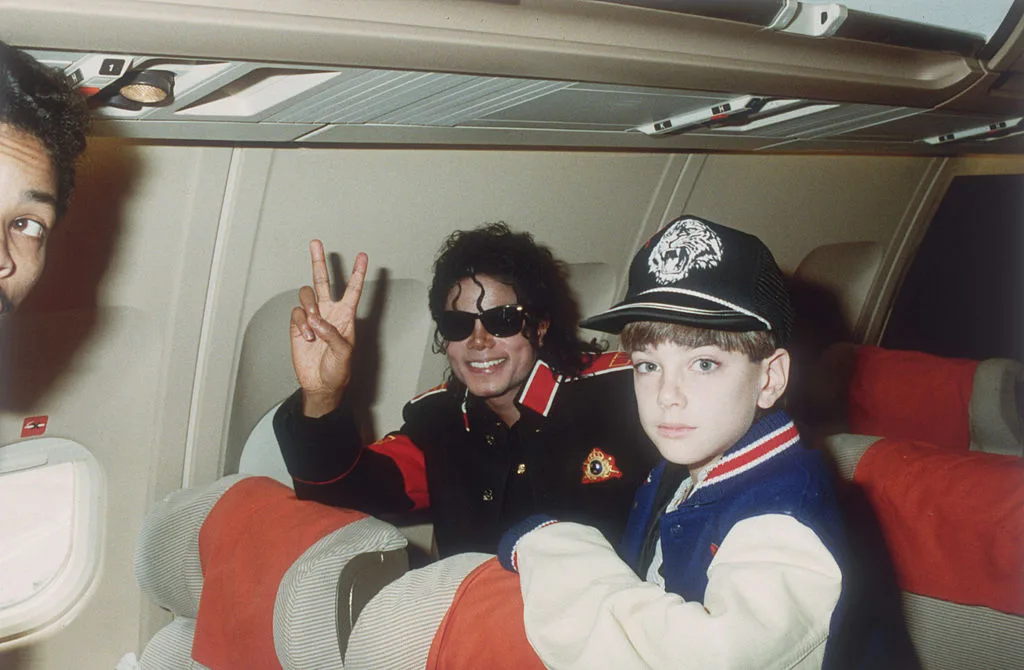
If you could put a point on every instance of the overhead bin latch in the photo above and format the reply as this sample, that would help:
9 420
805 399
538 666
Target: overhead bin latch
991 131
732 112
706 116
815 19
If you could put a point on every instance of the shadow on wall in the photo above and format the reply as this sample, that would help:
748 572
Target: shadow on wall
818 323
265 373
365 385
78 255
17 659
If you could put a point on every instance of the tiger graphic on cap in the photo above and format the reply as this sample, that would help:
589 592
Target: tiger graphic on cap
686 245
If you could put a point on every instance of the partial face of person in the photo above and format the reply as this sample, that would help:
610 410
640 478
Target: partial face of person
494 368
695 403
28 197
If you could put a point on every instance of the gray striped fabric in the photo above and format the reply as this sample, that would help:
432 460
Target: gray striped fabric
396 628
305 611
957 637
995 420
846 450
171 647
167 552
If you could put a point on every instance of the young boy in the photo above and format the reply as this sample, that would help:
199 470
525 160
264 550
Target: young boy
735 534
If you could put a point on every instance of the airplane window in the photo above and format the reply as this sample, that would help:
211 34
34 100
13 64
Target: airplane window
963 295
51 502
37 539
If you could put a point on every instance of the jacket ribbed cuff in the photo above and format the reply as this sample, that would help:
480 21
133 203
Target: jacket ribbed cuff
510 540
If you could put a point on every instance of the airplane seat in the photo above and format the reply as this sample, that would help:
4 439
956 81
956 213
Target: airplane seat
932 449
392 315
168 570
843 274
460 613
996 409
956 403
261 455
950 524
828 290
256 578
171 647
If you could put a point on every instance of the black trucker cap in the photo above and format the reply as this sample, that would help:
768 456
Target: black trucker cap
698 273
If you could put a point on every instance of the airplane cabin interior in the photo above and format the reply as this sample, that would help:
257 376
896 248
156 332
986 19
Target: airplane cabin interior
875 147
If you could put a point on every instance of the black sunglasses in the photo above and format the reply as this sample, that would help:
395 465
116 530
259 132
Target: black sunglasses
503 321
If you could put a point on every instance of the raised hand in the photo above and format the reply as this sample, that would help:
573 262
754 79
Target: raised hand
323 334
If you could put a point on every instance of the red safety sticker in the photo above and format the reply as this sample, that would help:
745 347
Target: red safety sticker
34 425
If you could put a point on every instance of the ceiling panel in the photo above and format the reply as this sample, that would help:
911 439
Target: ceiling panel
239 101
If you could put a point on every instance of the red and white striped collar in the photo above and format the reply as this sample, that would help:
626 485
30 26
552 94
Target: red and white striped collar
538 392
440 388
540 388
766 439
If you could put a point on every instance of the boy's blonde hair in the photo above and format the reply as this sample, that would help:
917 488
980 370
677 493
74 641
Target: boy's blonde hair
756 344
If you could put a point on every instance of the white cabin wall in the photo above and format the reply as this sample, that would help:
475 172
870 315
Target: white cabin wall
106 348
797 203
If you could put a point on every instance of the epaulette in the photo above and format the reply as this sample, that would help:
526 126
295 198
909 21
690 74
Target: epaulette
613 361
540 388
440 388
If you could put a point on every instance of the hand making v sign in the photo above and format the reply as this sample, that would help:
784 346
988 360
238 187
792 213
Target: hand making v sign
323 334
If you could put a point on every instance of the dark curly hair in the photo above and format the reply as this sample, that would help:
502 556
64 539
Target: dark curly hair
41 102
538 279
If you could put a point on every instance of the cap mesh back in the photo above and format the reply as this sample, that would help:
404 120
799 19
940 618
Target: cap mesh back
771 297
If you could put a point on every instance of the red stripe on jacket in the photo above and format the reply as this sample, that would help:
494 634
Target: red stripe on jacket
409 459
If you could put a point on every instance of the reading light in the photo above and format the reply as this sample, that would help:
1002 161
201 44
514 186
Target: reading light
148 87
142 88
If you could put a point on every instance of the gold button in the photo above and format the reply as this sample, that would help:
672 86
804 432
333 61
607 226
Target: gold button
488 495
521 468
489 440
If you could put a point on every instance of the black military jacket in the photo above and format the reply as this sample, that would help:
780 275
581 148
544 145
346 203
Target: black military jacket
577 453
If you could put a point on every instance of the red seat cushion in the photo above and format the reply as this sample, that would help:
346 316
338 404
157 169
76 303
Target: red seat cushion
911 395
254 533
484 625
953 521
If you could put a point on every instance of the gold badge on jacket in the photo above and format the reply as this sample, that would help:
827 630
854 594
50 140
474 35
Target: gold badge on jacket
598 467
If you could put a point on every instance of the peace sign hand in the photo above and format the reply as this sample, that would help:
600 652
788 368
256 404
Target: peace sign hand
323 334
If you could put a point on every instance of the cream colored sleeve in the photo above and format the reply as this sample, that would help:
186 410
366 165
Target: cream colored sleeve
771 590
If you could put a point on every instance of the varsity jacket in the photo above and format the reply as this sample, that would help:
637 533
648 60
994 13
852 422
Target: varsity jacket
577 452
750 576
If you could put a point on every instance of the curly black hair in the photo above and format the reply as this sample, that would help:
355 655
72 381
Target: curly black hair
540 283
40 101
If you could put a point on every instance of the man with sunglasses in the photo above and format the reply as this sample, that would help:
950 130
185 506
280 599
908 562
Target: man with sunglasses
531 418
